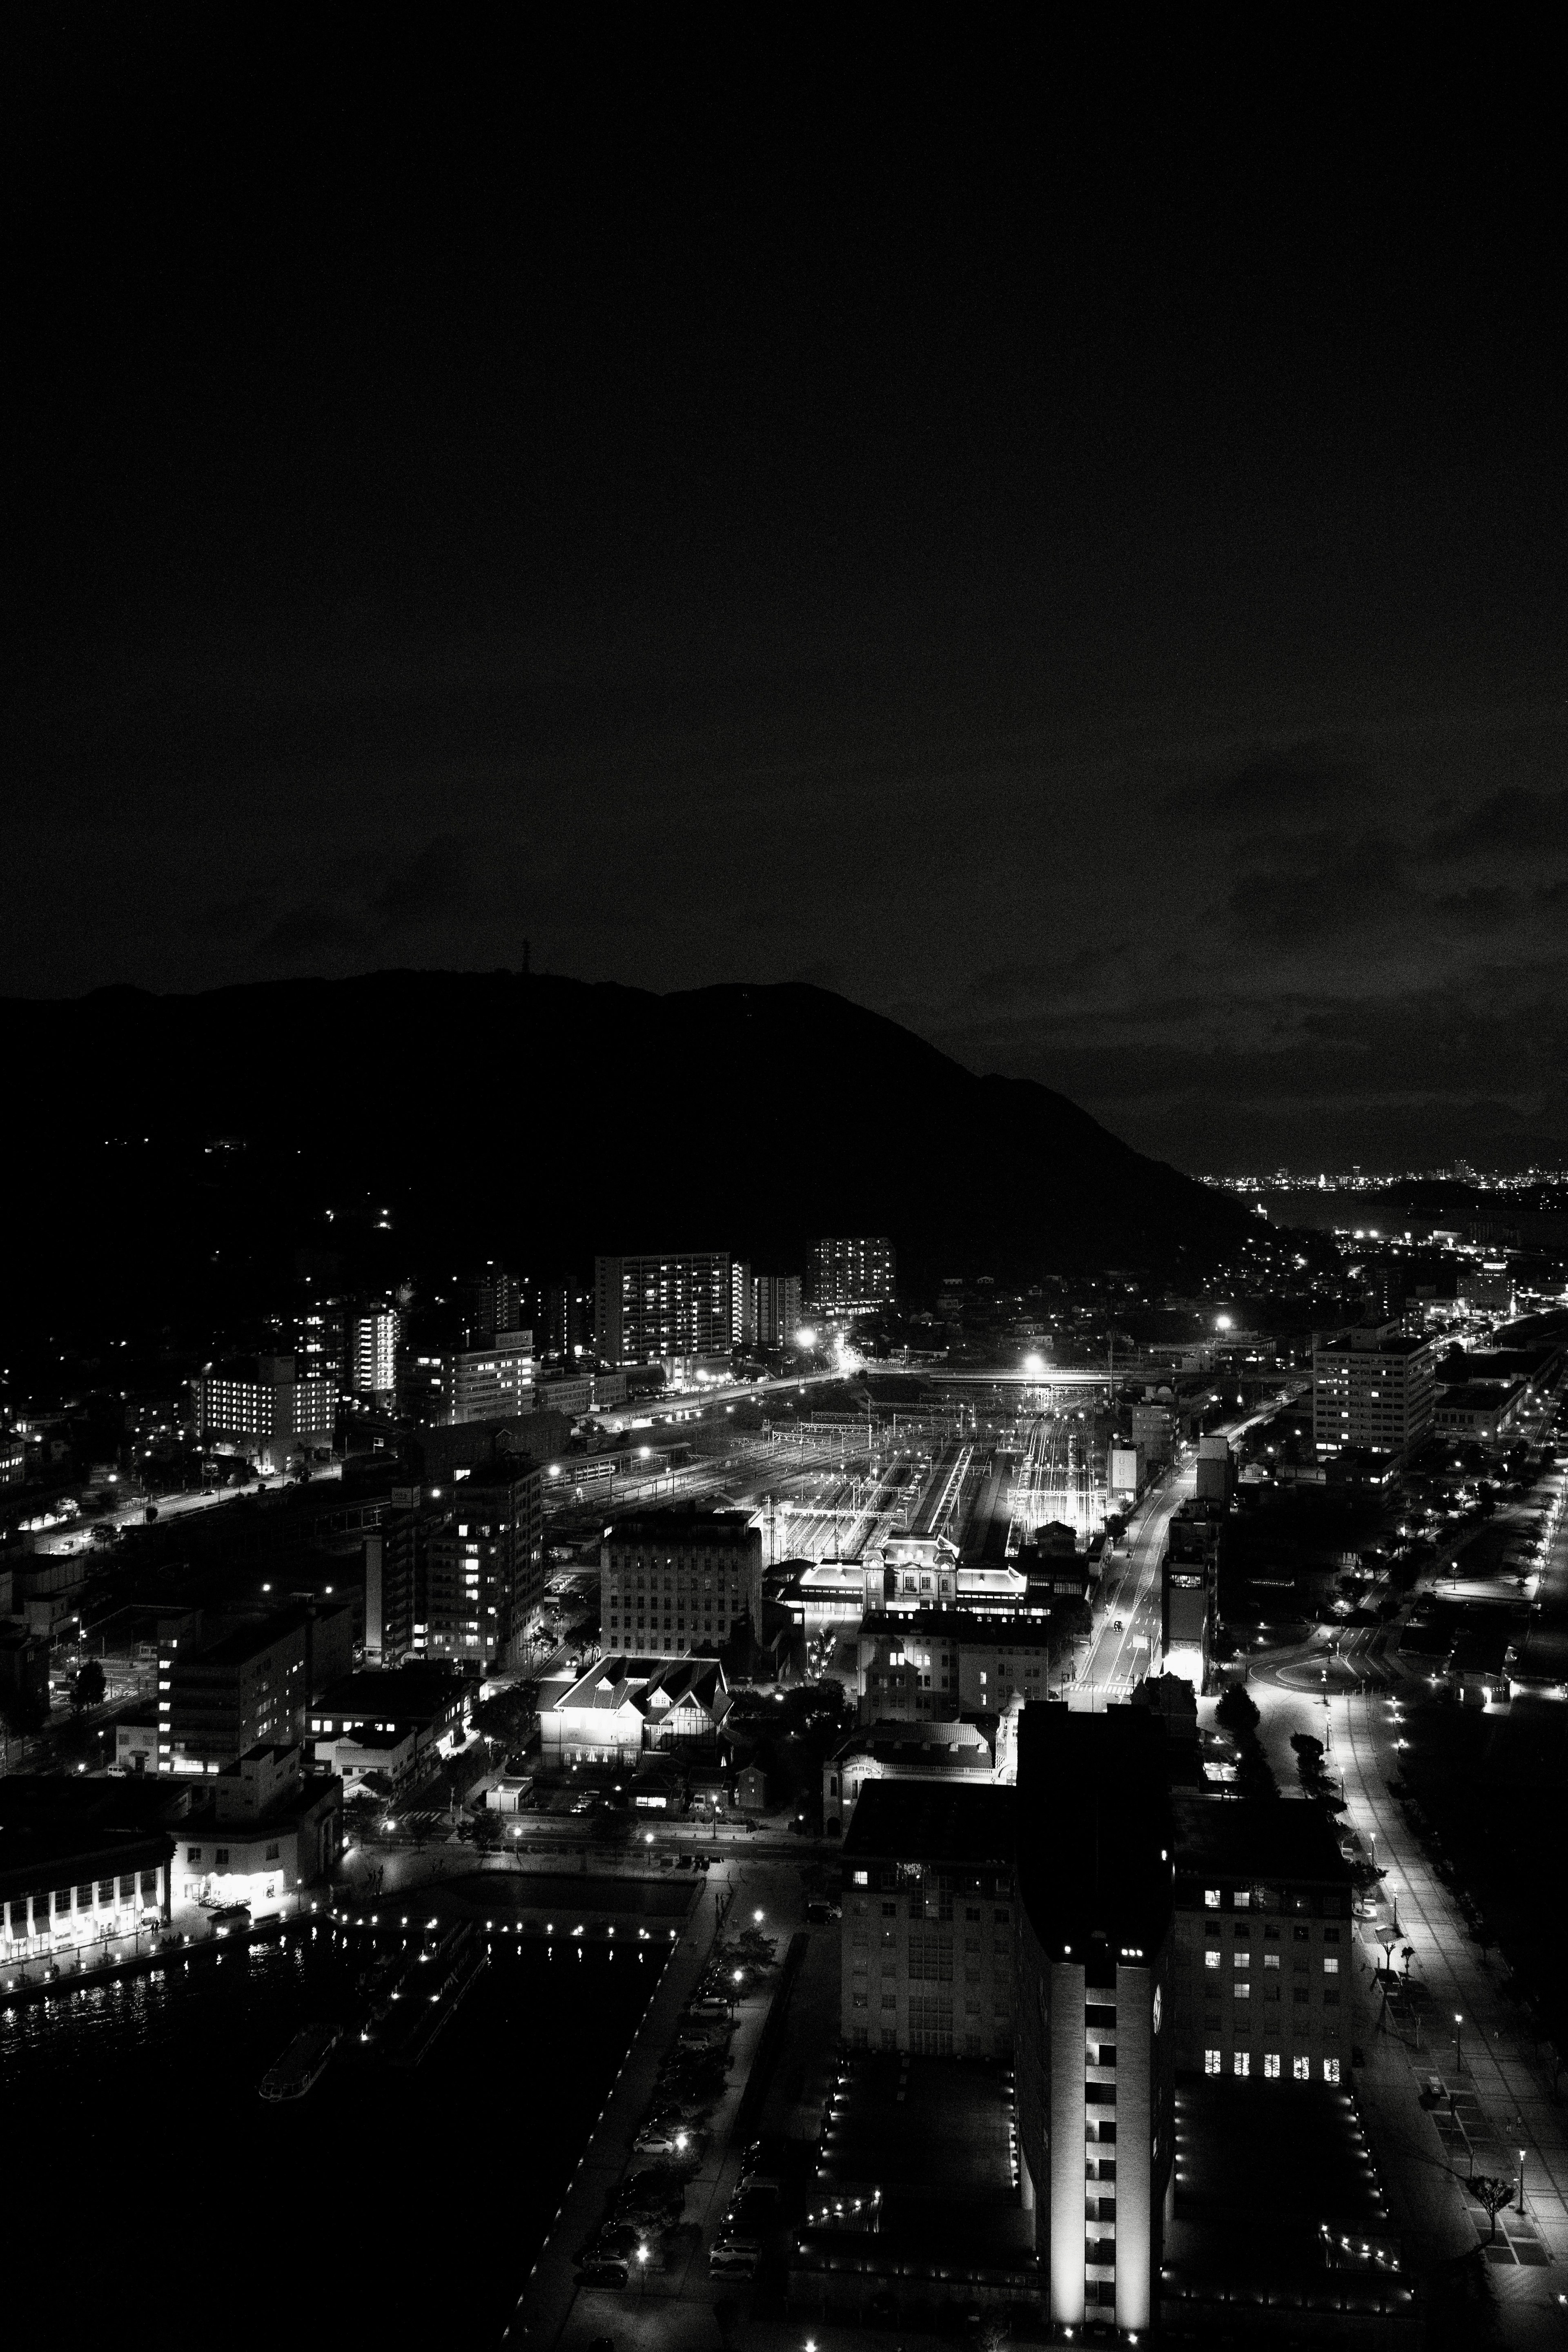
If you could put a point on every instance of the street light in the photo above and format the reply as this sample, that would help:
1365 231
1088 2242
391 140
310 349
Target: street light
642 2272
1458 2044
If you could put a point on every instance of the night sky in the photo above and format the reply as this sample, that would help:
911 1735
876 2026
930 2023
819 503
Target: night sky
1065 548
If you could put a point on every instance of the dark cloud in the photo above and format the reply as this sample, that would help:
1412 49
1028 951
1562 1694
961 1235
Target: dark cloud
1318 888
1512 820
1277 784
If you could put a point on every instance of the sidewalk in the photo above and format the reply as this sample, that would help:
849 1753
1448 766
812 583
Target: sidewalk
1502 2100
551 2309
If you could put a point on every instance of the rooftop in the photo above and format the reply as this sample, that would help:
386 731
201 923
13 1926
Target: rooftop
921 1821
1253 1838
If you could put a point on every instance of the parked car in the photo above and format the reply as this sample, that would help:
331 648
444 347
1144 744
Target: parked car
612 2274
728 2261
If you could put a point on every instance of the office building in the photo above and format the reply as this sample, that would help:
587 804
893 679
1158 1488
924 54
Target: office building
1095 2049
927 1952
224 1690
1372 1393
661 1304
777 1313
680 1579
265 1412
373 1340
1264 1940
851 1276
491 1382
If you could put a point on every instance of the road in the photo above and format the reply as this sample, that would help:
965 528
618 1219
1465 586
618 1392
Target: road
1126 1644
1496 2069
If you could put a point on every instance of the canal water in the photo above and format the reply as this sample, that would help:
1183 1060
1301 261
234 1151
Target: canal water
153 2196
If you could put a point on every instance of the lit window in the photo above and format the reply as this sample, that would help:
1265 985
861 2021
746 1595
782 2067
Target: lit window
1302 2068
1211 2061
1330 2070
1271 2065
1211 1898
1331 1968
1211 1960
1241 2063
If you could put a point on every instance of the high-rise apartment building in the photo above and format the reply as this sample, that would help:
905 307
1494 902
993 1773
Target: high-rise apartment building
568 1319
491 1382
777 1312
851 1276
484 1568
265 1412
487 1302
372 1351
457 1572
742 1306
679 1579
1372 1392
670 1303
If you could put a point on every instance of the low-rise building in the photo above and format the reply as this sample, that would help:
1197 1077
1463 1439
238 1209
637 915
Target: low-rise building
397 1721
82 1861
953 1754
1479 1412
626 1707
260 1830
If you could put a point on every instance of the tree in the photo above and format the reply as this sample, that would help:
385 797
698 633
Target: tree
1494 2195
1237 1711
86 1687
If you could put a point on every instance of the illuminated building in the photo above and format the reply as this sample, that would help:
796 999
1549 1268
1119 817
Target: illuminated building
373 1339
270 1414
663 1303
398 1721
927 1950
491 1382
1264 1950
680 1579
1095 2050
742 1306
83 1860
851 1276
628 1707
935 1661
1189 1591
483 1567
260 1829
217 1699
776 1315
1372 1392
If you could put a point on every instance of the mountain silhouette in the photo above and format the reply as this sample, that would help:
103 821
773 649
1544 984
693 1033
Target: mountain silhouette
191 1146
